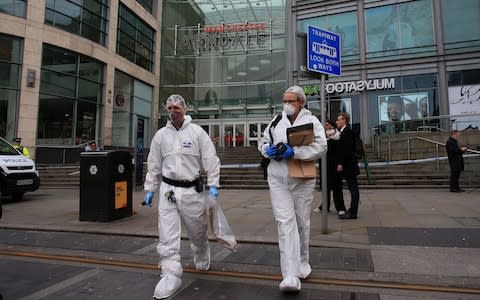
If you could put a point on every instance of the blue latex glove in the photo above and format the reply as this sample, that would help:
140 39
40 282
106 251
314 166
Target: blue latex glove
213 192
272 151
147 200
288 153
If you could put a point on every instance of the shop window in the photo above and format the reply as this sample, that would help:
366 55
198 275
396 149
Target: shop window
70 97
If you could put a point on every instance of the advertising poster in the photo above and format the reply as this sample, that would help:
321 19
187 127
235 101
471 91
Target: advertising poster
464 100
402 107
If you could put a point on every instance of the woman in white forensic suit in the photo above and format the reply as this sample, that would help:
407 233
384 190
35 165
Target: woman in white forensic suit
292 197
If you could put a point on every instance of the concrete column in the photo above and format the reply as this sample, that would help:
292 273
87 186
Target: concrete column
32 61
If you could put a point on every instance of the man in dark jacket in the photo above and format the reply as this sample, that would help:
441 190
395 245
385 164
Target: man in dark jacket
455 159
347 163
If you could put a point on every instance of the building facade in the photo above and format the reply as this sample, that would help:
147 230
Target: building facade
76 71
404 63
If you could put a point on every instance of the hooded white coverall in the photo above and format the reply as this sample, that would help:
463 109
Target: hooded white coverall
180 155
292 197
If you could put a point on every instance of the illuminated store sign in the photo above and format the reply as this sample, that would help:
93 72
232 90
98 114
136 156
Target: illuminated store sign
246 35
352 86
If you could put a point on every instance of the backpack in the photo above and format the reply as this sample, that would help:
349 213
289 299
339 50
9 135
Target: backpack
358 147
266 161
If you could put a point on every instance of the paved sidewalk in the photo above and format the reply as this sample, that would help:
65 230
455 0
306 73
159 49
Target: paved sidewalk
423 232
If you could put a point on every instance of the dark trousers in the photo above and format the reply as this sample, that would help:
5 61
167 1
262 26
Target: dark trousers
454 177
352 185
336 187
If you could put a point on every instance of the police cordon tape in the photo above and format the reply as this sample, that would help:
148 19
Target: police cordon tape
362 164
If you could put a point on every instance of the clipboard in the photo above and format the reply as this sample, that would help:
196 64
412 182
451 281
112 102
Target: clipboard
300 135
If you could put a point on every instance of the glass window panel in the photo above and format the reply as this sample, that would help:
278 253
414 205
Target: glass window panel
142 90
89 90
92 33
56 59
49 16
90 69
344 24
461 23
9 74
8 108
13 7
55 120
399 26
94 6
73 16
68 9
57 83
86 120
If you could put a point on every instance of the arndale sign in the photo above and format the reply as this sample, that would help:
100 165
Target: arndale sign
226 36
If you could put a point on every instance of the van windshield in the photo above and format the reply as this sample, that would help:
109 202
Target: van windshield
6 148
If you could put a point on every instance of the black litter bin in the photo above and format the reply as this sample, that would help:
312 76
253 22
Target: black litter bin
105 185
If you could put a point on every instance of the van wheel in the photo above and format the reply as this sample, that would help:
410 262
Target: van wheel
17 196
1 209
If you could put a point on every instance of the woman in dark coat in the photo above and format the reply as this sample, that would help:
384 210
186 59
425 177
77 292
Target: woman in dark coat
334 179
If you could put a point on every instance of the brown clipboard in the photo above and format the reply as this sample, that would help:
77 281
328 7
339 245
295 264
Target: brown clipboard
298 136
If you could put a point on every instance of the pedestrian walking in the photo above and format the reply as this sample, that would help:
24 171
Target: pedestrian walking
292 197
177 154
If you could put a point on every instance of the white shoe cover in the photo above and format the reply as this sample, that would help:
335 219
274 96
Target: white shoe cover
290 284
166 287
305 271
202 263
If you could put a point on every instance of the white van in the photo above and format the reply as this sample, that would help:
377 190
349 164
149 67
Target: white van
18 174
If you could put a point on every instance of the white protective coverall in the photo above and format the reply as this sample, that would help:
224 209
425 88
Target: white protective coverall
180 155
292 197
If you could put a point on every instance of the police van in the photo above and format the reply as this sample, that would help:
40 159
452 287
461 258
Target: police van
18 174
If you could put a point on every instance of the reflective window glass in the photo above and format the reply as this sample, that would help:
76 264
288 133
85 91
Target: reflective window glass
137 37
461 25
13 7
400 29
85 18
219 53
74 83
343 24
147 4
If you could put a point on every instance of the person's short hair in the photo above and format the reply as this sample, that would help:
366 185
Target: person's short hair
455 131
345 116
17 140
332 123
176 100
298 92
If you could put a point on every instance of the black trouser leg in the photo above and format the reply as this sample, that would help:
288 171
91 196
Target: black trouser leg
338 194
454 178
352 184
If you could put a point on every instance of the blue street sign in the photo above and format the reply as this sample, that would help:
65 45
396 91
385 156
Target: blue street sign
323 51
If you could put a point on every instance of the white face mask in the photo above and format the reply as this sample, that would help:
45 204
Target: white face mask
289 109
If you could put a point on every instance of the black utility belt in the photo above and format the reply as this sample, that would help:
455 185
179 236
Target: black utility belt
197 183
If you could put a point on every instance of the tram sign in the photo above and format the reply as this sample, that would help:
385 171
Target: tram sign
323 51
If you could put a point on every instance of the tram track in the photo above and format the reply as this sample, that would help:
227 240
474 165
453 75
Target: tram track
244 275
